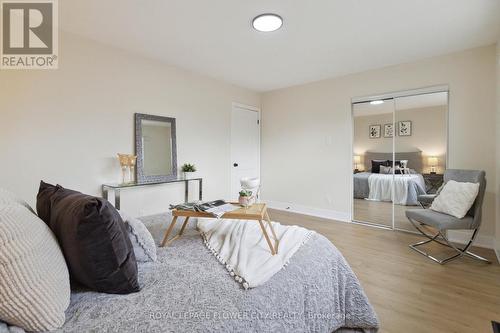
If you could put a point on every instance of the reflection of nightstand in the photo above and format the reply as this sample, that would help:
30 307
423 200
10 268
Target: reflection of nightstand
432 182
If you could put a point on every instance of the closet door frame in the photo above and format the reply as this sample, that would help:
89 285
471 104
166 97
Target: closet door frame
394 96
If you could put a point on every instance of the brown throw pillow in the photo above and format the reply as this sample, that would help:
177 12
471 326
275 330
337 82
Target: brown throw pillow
93 239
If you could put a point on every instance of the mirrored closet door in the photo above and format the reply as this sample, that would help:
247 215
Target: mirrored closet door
399 153
373 147
421 143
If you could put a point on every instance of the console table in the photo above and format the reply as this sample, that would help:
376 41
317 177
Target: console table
116 187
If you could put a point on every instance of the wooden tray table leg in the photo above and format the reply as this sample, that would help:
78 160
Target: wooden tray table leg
184 225
267 237
276 241
169 230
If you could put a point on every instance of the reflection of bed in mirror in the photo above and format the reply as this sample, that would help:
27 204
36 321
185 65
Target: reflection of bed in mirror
378 186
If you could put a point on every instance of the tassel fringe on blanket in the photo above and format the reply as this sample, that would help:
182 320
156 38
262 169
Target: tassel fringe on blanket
239 246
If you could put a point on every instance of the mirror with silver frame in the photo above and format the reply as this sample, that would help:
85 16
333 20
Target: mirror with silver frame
156 150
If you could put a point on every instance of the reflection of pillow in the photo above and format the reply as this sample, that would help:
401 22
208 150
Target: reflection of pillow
376 165
141 239
398 170
456 198
385 170
397 163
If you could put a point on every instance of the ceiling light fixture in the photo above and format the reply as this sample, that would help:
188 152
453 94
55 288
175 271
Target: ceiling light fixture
267 22
377 102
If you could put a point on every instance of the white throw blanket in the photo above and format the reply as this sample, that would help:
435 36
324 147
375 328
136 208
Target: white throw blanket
242 248
381 187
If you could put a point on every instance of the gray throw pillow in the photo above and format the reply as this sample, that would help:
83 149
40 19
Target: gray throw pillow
142 240
385 170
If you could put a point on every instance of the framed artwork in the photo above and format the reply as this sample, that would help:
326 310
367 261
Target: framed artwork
404 128
375 131
388 130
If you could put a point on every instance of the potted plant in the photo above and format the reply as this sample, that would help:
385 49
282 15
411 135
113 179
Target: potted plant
188 170
246 198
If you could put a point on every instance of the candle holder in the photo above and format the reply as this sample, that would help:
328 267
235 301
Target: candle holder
132 159
124 164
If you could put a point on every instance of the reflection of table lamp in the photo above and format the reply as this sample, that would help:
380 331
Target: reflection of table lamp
433 162
357 160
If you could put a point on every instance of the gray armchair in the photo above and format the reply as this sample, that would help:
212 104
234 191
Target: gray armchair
443 222
426 200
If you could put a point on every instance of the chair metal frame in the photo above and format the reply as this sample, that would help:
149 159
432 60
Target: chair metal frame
434 238
440 237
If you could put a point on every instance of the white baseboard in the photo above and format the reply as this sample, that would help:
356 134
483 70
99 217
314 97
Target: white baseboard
456 236
306 210
463 236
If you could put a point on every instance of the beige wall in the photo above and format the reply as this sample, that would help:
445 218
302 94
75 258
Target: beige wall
312 166
66 126
428 135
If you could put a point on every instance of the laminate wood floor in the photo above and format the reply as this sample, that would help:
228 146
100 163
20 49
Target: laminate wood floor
409 292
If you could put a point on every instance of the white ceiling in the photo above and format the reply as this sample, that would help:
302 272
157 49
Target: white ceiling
319 38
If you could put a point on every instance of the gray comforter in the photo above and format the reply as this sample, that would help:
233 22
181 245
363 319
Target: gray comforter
414 190
361 188
187 290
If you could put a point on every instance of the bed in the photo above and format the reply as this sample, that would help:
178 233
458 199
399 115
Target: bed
186 290
378 187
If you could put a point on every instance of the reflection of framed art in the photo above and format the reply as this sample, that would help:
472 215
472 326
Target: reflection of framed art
404 128
388 130
375 131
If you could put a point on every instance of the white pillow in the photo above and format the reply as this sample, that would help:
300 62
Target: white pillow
142 240
8 198
34 278
456 198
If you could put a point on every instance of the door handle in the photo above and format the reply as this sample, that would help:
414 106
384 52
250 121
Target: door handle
235 164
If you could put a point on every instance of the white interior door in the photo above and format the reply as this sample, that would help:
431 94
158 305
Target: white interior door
245 146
